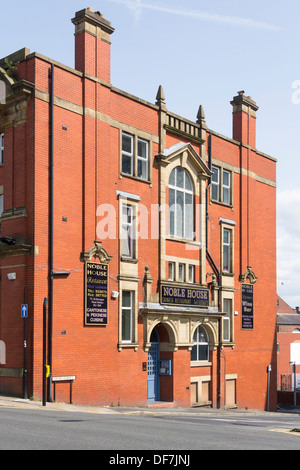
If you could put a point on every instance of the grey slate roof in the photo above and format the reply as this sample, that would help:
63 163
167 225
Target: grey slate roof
288 319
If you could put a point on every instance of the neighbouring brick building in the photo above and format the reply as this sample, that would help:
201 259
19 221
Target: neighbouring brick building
288 346
151 236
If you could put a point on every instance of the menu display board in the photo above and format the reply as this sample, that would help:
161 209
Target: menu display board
96 294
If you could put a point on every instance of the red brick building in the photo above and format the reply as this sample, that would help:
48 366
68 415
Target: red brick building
288 345
152 238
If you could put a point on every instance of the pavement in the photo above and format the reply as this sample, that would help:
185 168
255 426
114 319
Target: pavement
159 409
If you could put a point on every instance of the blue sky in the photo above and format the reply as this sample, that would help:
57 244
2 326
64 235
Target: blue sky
202 53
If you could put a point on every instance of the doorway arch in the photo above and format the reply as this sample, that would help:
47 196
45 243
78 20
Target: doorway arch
153 381
160 347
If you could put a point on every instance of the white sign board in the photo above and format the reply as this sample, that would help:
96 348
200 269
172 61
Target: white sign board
2 92
295 353
64 378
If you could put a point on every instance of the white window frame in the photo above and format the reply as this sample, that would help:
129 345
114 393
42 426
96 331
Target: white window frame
173 231
228 225
126 154
143 159
220 187
181 272
226 188
1 148
135 156
128 231
227 247
128 309
191 273
215 184
171 271
227 319
198 344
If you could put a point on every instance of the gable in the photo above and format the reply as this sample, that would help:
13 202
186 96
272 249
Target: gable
187 155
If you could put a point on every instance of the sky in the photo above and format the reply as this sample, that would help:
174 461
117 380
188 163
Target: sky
201 53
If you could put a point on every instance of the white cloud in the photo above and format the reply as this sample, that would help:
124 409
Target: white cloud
137 7
288 245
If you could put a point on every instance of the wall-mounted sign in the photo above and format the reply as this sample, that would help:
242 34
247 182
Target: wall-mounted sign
165 367
183 296
247 306
96 294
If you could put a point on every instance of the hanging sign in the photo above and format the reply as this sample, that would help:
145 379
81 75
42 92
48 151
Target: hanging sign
247 306
96 293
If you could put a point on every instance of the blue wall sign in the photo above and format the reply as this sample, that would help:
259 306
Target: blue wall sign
24 311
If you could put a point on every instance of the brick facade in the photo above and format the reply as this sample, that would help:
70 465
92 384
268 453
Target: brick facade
288 340
91 187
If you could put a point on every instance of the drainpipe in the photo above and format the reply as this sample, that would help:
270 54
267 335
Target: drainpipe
50 296
219 283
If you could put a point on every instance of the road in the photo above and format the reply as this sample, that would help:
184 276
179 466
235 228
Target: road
37 429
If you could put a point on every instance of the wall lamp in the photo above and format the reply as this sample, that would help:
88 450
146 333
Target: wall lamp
8 240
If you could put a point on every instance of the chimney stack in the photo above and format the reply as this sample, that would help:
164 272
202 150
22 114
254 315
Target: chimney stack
92 43
244 119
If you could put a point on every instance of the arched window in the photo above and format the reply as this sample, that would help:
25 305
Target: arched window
181 204
200 351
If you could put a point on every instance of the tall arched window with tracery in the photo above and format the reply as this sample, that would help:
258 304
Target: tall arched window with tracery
181 204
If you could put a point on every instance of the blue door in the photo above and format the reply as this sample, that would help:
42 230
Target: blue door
153 372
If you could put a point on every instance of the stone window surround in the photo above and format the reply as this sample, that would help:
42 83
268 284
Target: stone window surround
223 166
135 134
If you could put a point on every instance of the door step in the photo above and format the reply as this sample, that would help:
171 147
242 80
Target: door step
161 404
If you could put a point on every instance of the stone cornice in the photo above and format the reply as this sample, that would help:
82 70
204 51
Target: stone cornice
15 250
94 19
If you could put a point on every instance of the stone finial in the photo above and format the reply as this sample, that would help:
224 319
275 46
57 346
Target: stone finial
160 98
201 117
